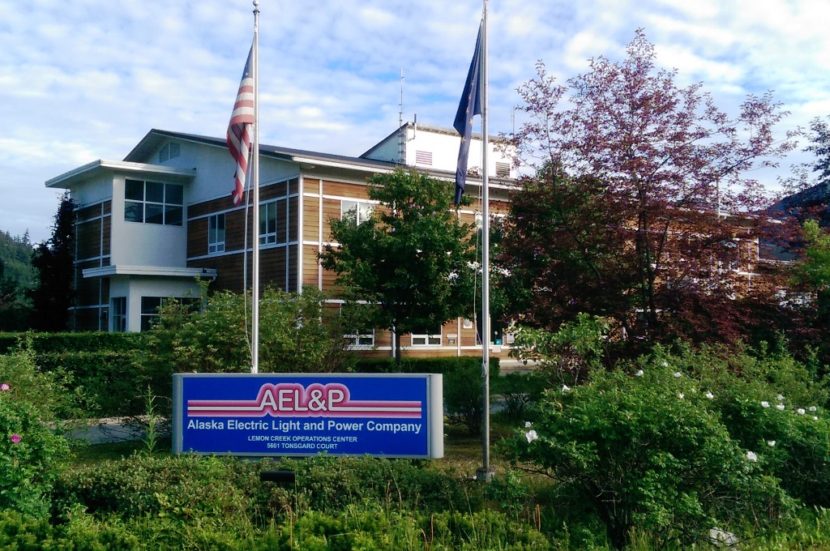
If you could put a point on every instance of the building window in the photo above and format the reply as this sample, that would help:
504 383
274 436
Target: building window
503 170
153 202
216 233
169 151
361 338
423 158
268 223
358 211
118 306
149 312
427 338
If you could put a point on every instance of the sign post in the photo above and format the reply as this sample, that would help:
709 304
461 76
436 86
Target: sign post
269 414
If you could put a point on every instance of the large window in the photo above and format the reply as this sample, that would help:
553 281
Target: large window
359 211
153 202
268 223
119 313
427 337
216 233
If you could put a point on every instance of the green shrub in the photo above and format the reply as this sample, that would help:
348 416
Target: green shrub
462 382
649 452
180 487
31 456
111 381
53 394
331 483
770 404
570 354
518 392
297 334
52 343
27 533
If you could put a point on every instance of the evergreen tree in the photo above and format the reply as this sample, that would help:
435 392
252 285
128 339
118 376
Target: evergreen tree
53 294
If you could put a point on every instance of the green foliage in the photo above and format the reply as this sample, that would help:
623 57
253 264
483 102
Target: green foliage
53 393
649 451
770 404
53 260
16 278
297 333
411 258
87 341
814 270
337 503
31 456
110 382
518 391
568 355
462 382
15 257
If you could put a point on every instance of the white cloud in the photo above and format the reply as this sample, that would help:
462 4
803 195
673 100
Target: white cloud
87 79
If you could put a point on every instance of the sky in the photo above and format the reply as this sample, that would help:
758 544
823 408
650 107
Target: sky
82 80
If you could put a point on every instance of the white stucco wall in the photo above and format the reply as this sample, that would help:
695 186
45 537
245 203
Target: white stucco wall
444 148
94 190
214 175
133 288
140 244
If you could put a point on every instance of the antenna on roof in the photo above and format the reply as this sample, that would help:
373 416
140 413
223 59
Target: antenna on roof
401 131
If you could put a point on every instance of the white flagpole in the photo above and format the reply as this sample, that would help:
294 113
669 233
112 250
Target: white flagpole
255 186
485 473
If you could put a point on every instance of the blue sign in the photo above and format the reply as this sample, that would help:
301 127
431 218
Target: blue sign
390 415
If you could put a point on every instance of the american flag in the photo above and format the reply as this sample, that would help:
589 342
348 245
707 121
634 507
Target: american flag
240 129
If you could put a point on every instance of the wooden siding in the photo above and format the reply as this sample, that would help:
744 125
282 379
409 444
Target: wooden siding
310 266
197 237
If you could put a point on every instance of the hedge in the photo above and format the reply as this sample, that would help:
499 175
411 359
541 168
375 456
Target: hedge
44 343
424 365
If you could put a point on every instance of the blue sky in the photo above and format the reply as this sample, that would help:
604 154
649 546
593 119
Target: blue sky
86 79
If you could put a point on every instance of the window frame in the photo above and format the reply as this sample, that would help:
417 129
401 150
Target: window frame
216 245
427 338
119 316
172 213
268 237
363 210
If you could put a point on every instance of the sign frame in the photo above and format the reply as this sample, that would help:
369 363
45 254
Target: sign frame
432 408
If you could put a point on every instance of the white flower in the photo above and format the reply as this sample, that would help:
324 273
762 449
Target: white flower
531 436
452 276
764 404
680 395
800 411
528 424
780 397
722 538
664 363
709 395
812 409
815 418
779 407
676 374
771 443
639 373
566 388
751 456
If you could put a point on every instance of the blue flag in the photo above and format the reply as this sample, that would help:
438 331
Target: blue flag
468 107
